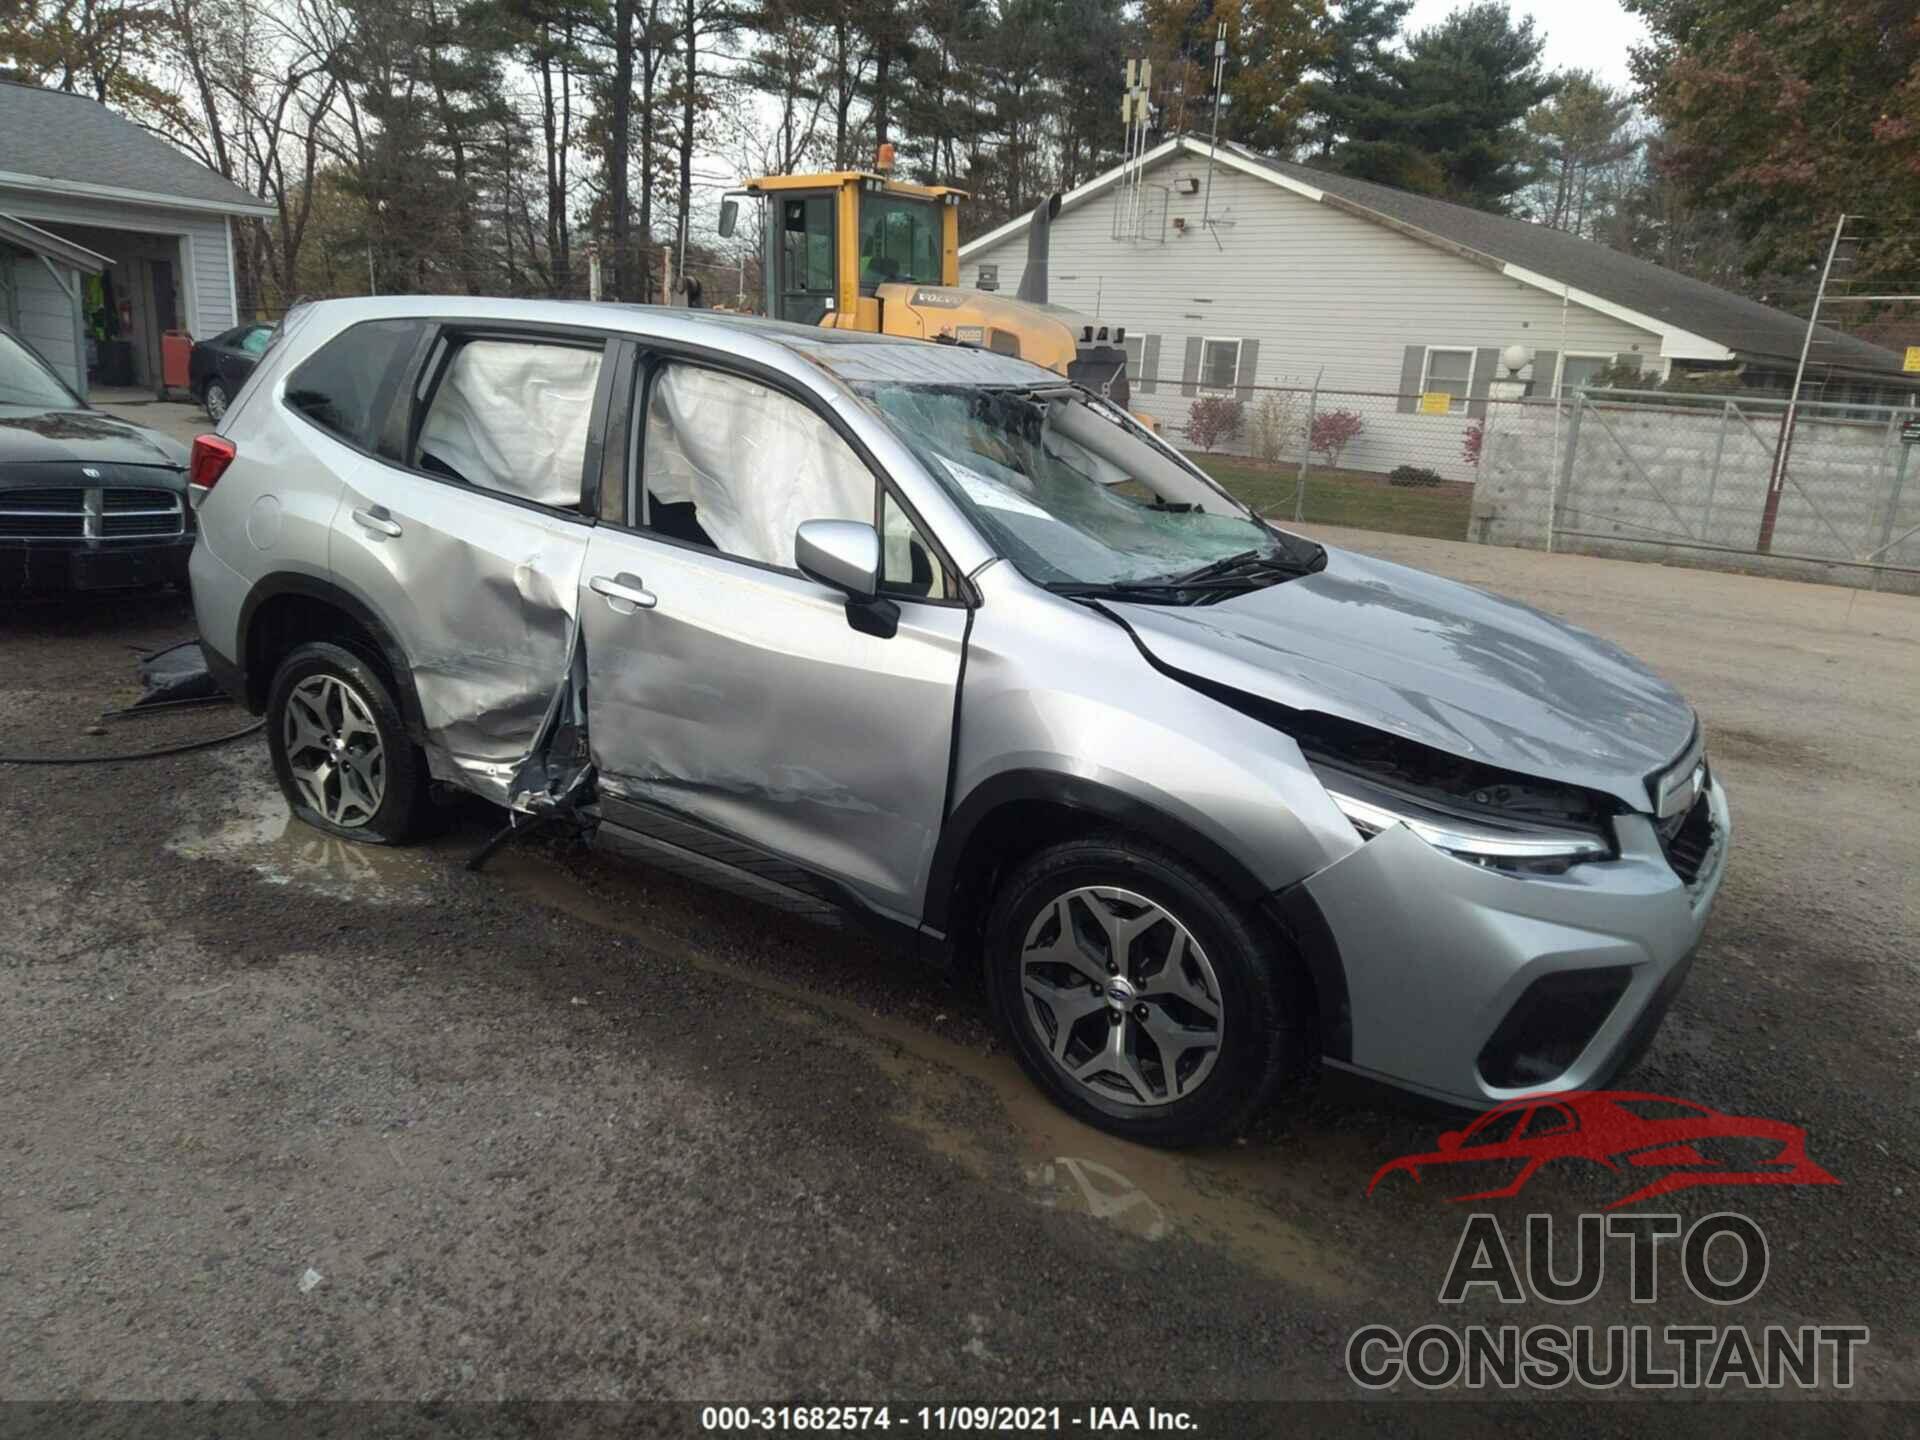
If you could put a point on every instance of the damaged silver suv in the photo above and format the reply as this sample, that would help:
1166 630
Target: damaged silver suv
922 635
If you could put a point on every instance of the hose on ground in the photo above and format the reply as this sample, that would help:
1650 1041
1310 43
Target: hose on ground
181 749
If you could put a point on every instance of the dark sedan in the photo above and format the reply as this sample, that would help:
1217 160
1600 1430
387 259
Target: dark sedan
87 502
220 366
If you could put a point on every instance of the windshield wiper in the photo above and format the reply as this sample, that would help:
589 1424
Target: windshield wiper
1247 565
1157 592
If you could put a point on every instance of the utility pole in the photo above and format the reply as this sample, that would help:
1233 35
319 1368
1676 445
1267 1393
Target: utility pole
1219 86
593 271
1777 481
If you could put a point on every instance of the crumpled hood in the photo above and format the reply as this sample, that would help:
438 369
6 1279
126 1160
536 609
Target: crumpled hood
83 436
1456 668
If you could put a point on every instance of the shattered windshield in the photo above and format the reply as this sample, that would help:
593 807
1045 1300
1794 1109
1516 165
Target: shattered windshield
25 381
1075 495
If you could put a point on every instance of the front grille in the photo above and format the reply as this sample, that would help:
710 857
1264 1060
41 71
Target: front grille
62 513
43 514
1688 840
115 500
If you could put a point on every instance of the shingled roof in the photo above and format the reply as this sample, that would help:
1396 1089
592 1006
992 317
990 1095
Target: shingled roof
1637 291
72 144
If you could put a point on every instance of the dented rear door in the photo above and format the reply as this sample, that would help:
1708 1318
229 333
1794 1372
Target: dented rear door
478 585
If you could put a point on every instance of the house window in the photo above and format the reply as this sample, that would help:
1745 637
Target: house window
1578 370
1219 366
1449 372
1135 346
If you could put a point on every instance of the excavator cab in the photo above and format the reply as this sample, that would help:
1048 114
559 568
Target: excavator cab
860 250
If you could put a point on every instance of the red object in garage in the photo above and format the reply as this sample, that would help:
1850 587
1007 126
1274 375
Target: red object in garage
176 355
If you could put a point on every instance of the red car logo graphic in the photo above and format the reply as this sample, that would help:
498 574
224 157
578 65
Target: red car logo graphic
1626 1132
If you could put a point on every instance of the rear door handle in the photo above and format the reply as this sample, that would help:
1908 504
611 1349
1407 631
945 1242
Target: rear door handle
623 589
378 521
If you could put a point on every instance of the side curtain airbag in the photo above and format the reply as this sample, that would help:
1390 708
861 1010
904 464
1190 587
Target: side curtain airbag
513 417
755 463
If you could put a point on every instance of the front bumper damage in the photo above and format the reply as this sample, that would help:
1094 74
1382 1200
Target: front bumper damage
1445 964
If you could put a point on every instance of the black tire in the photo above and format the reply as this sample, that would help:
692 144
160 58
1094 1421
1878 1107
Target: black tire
1262 1000
403 806
215 412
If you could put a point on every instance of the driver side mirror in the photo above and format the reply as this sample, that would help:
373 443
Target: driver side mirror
844 554
729 218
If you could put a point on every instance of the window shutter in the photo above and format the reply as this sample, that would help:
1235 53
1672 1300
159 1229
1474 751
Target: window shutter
1486 361
1243 379
1412 365
1545 364
1190 372
1149 366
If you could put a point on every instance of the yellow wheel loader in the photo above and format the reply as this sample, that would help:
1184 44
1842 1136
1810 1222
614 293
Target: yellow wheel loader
859 250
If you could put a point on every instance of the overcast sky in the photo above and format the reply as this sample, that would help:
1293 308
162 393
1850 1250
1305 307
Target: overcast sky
1581 34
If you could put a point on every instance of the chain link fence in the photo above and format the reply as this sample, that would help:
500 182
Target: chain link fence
1711 481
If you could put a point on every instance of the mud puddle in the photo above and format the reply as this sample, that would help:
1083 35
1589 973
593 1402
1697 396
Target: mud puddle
1243 1199
266 839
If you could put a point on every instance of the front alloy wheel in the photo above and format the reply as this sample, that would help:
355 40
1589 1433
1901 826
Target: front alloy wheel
1121 995
217 400
1139 993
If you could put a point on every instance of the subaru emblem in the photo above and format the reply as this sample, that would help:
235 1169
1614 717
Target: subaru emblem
89 472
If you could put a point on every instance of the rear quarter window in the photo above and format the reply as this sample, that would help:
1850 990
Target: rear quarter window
344 385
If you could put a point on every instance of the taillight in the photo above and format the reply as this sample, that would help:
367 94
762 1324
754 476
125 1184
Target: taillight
212 454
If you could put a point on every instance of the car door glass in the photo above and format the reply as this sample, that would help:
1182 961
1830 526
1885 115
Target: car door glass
736 467
909 565
511 416
337 387
254 341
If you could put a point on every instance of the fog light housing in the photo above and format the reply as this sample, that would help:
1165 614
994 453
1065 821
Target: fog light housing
1554 1019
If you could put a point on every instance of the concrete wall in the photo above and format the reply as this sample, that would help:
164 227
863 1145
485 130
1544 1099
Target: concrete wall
1314 286
1652 482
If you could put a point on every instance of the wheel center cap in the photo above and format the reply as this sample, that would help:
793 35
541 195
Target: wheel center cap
1119 993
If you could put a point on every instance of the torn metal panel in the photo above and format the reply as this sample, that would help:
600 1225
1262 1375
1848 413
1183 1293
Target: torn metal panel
483 597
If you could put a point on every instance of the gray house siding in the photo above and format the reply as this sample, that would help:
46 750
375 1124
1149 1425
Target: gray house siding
1315 287
207 276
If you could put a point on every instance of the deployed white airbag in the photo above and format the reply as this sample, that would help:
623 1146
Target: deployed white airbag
755 463
513 417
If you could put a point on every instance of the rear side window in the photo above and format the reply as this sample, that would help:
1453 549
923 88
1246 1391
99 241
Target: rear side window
343 385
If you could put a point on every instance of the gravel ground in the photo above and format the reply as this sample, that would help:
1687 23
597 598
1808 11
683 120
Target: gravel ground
564 1130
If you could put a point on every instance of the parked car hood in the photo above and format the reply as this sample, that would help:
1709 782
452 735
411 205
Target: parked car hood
1472 674
83 435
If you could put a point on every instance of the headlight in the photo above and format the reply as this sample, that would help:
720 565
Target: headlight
1489 840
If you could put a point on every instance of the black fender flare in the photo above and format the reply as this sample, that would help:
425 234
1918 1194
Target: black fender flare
1075 792
326 592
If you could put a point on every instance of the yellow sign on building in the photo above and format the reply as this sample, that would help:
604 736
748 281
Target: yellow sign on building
1438 402
1913 359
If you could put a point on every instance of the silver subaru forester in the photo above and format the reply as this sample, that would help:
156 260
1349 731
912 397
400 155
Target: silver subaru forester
921 635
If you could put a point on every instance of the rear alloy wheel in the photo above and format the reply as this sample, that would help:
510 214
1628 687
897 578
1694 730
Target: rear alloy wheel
217 400
1139 995
340 751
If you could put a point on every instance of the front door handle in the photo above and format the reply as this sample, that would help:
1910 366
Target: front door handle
623 590
378 521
